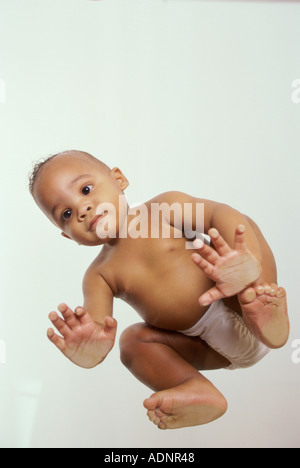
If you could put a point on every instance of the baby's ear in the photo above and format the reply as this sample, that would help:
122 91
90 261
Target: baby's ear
118 175
65 235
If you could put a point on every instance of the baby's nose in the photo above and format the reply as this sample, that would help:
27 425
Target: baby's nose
83 211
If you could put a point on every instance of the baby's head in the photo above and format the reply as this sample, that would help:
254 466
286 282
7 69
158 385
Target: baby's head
68 187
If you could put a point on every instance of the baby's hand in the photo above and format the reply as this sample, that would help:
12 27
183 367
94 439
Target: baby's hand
231 270
83 341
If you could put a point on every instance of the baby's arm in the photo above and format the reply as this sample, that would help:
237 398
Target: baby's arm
216 215
236 261
88 335
225 219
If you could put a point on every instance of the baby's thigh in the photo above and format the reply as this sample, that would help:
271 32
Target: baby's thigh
269 270
194 350
197 352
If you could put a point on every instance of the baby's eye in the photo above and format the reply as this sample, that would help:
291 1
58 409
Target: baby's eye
67 214
87 189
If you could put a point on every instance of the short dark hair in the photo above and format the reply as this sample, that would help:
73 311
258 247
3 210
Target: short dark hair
40 164
36 170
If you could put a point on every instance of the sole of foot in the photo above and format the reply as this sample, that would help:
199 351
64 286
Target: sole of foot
265 313
184 407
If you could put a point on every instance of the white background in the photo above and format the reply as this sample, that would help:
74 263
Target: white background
182 95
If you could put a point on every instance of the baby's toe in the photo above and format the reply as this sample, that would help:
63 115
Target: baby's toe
248 295
151 415
267 288
260 290
162 426
274 288
281 292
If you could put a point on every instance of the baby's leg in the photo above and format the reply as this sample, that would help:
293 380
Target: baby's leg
264 305
168 363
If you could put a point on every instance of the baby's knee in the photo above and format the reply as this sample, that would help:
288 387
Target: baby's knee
130 341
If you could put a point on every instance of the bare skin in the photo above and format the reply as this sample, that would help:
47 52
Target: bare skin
163 283
264 306
83 341
264 310
265 313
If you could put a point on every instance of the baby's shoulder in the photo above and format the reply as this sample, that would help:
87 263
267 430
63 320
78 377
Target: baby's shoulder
98 264
172 196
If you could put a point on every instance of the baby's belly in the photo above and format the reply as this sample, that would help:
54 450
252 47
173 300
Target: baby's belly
169 300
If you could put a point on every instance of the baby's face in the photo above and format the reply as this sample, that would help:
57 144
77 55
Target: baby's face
70 188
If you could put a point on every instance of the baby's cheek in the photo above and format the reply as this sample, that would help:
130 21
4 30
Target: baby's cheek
107 227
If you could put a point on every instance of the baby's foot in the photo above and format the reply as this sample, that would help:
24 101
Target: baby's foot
265 313
184 406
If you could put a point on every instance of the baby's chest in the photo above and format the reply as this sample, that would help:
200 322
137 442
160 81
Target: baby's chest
164 291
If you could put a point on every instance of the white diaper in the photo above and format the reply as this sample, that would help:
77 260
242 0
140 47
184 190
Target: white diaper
225 331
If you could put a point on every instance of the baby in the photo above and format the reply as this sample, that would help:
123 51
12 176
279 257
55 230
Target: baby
240 315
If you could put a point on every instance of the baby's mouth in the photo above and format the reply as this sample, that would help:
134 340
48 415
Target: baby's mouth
95 221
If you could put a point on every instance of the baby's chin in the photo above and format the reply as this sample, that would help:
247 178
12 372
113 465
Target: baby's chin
93 242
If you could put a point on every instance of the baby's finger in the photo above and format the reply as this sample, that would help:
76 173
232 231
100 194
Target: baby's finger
58 341
59 324
110 324
240 239
210 296
220 244
206 251
83 316
70 319
205 266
